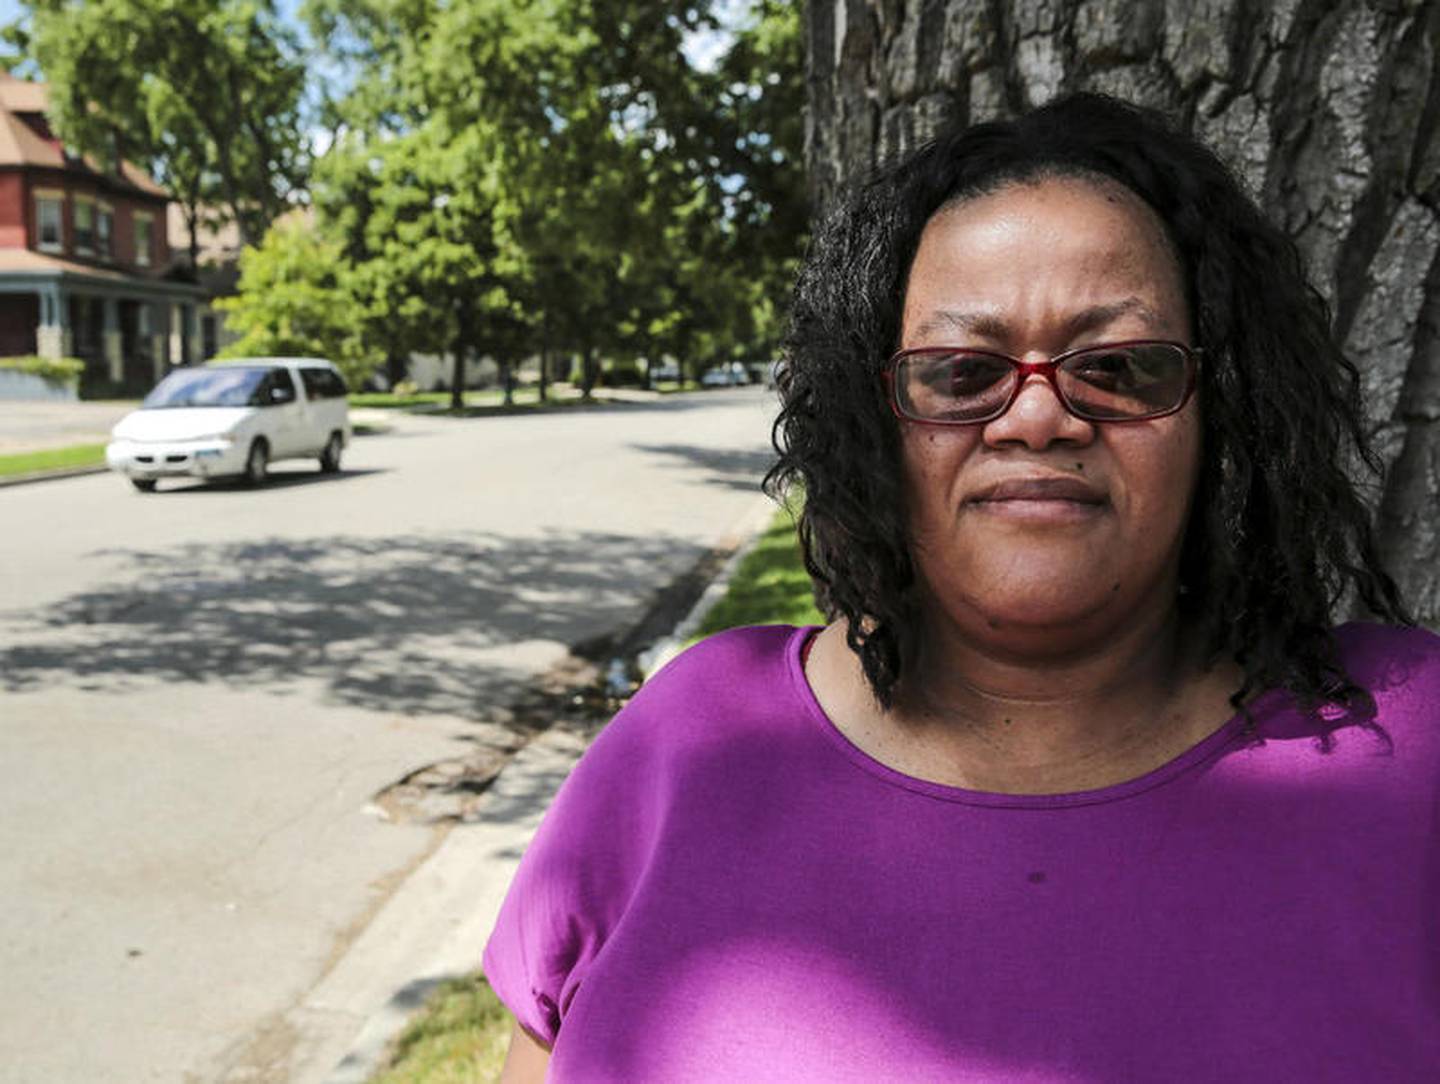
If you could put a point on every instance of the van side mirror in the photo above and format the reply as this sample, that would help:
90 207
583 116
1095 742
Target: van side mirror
282 395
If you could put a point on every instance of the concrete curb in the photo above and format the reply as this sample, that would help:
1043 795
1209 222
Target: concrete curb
750 529
435 925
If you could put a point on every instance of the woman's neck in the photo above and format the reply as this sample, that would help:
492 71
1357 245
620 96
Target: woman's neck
1067 721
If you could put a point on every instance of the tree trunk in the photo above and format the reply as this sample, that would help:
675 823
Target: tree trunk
457 376
587 372
192 227
457 372
1329 109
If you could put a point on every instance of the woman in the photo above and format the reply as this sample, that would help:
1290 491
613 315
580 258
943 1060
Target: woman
1079 784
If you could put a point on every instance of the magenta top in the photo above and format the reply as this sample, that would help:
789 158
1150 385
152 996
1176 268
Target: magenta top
727 889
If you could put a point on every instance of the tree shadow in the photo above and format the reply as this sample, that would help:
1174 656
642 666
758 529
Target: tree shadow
411 624
728 467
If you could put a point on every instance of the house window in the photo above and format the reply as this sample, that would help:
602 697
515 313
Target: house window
49 233
84 226
142 240
104 230
142 321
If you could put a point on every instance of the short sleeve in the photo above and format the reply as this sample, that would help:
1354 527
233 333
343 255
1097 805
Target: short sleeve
577 876
580 874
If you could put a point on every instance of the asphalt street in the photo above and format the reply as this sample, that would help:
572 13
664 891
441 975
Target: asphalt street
203 691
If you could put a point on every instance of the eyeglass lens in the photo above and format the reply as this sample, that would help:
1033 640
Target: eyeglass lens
1109 383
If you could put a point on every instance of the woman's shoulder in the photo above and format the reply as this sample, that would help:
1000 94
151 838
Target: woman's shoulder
735 655
722 683
1400 669
1391 660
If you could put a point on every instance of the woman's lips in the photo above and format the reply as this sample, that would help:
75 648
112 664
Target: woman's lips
1040 499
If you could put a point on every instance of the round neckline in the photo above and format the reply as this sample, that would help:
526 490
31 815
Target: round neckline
1204 750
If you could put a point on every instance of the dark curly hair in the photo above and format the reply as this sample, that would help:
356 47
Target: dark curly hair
1278 535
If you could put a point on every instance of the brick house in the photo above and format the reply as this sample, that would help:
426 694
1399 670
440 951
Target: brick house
85 260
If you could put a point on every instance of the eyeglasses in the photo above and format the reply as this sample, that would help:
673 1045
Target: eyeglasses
1112 382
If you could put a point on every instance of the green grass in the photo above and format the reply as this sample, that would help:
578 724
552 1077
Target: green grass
526 395
77 455
459 1038
384 400
770 586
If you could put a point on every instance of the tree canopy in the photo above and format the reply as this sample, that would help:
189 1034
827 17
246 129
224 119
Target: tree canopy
205 94
500 178
524 175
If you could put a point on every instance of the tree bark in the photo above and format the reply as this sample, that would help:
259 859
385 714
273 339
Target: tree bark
1328 109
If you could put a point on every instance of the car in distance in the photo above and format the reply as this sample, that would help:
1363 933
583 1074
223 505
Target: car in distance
233 418
728 375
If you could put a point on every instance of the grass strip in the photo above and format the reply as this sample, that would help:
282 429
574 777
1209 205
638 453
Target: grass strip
525 395
459 1037
76 455
770 587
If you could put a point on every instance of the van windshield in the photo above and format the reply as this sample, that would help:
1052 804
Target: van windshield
228 387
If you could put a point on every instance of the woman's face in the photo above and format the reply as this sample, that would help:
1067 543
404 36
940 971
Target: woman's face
1038 527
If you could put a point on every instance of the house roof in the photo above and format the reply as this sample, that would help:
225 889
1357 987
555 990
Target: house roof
22 96
21 144
27 262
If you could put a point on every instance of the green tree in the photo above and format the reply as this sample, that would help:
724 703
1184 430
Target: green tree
295 298
435 268
614 199
203 93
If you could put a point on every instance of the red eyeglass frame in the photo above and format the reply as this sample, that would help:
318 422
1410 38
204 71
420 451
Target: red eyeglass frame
1044 369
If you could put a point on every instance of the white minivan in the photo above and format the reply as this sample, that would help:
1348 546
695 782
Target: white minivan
234 417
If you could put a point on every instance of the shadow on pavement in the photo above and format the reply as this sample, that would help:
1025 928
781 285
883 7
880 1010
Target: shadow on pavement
727 467
437 624
278 479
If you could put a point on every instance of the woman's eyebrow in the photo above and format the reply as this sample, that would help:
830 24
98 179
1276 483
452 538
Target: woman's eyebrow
990 325
987 324
1100 315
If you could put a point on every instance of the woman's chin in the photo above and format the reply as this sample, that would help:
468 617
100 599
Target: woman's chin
1037 612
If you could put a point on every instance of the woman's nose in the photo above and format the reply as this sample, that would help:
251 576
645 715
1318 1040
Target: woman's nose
1037 419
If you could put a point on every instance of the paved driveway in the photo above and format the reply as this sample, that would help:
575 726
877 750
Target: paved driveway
203 691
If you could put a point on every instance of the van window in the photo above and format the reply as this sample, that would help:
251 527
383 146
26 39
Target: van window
275 379
314 386
323 384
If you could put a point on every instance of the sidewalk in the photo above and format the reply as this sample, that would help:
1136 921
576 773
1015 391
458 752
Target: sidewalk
39 427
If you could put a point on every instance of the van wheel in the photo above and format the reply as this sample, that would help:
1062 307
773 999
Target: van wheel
257 463
144 485
330 455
